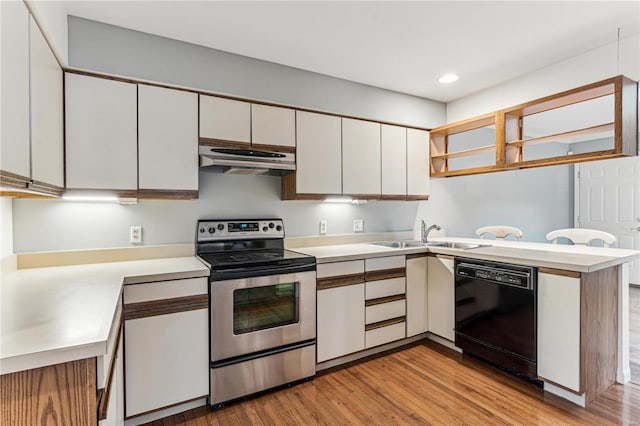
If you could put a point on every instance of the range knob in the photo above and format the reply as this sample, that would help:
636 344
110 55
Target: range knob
202 230
265 229
278 228
271 225
220 226
212 230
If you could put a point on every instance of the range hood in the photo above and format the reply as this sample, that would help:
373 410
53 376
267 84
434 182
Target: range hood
246 160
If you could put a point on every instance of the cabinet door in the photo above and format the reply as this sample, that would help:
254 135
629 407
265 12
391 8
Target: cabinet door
394 160
225 119
340 321
417 307
47 146
318 154
417 162
360 157
559 330
166 360
101 127
273 126
441 296
115 411
168 139
14 61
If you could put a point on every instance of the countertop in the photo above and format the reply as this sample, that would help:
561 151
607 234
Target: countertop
59 314
557 256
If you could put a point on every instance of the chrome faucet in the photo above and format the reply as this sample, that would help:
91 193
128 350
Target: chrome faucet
425 231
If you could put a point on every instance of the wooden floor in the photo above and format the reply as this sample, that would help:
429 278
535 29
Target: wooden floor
634 333
421 384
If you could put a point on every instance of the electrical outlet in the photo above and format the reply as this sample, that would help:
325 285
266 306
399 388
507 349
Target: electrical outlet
358 225
135 234
323 227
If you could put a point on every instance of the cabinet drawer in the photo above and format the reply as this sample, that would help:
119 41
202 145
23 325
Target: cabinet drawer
385 311
379 263
379 336
340 268
134 293
384 288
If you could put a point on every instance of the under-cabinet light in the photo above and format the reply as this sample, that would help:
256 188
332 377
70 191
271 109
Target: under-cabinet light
344 200
448 78
90 198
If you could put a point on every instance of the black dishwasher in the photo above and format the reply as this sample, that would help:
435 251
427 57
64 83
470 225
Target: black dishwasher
496 313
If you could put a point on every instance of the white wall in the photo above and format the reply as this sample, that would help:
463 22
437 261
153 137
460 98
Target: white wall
43 225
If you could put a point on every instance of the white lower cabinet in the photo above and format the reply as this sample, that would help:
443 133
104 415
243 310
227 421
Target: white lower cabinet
417 298
115 404
166 335
341 318
441 296
387 334
559 330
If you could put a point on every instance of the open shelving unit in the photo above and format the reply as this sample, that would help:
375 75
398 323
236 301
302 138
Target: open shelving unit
510 143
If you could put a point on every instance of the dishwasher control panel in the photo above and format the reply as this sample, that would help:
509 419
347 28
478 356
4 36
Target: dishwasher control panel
500 273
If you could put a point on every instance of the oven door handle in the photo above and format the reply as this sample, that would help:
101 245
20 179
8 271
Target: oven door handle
231 274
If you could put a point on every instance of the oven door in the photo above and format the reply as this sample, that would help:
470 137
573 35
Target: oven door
254 314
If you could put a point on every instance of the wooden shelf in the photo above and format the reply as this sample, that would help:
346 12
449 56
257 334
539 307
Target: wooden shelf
588 131
510 142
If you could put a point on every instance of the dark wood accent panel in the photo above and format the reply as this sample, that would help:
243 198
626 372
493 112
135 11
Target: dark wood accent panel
598 331
385 274
561 272
104 394
417 197
339 281
61 394
167 194
220 143
165 306
385 323
288 187
417 255
388 299
390 197
424 383
20 194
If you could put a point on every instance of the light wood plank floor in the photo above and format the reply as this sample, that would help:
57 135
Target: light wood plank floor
420 384
634 333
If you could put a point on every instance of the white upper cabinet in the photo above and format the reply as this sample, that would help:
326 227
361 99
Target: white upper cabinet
273 126
47 131
417 163
318 154
14 50
168 139
394 160
360 157
225 119
101 127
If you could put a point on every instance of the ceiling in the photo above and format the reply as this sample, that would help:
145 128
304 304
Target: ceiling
401 46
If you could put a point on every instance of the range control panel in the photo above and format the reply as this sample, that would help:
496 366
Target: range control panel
216 230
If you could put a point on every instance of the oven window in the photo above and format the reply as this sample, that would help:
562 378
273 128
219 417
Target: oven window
265 307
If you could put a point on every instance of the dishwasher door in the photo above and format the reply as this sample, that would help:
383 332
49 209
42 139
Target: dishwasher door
495 313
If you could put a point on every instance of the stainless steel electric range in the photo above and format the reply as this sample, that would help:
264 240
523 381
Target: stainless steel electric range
262 301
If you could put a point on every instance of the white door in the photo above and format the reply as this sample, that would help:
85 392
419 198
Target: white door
608 198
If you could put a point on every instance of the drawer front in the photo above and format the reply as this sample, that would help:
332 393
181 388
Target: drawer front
384 335
385 311
134 293
379 263
384 288
340 268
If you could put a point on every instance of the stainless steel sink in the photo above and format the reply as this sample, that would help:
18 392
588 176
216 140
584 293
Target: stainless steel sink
399 244
461 246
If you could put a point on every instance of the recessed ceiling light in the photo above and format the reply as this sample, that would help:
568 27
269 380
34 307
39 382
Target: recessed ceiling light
448 78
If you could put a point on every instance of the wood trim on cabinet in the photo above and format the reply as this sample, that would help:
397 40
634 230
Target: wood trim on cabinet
626 129
560 386
381 300
221 143
14 180
49 395
560 272
339 281
124 193
598 331
46 188
385 274
104 393
234 98
165 306
168 194
385 323
416 255
165 407
417 197
466 125
393 197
